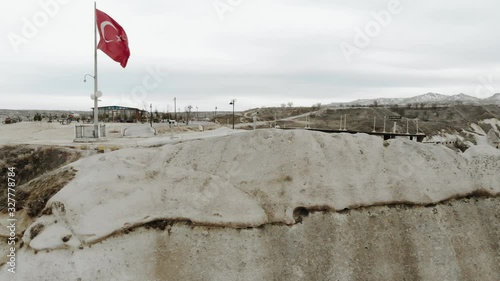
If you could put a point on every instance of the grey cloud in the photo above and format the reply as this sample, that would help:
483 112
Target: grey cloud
264 50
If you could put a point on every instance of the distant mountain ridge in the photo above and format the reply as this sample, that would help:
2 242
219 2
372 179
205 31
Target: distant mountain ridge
429 98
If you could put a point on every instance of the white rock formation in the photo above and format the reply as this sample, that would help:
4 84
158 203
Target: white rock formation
273 205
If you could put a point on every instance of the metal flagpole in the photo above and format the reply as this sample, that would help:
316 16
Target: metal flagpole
96 110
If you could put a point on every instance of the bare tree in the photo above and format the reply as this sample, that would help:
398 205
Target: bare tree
316 106
290 104
188 113
145 106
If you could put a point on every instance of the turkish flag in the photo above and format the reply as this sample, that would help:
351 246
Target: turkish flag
114 41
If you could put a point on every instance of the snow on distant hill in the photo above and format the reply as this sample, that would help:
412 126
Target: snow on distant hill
463 98
380 101
495 99
426 98
429 98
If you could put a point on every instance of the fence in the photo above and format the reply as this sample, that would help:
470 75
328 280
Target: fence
88 131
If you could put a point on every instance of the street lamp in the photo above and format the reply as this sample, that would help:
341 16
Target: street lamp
232 103
85 77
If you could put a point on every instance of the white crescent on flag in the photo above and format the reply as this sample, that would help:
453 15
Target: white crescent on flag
103 25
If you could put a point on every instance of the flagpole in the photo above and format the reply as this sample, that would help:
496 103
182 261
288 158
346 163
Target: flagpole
96 109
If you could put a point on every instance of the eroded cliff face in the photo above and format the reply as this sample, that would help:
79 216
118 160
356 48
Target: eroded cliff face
457 240
453 240
273 205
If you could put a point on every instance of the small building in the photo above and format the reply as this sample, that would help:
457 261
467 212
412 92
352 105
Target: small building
115 113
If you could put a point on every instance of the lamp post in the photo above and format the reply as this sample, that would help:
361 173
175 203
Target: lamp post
232 103
85 77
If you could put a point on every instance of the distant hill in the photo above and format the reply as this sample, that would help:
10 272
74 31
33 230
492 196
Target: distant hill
465 122
28 114
429 98
495 99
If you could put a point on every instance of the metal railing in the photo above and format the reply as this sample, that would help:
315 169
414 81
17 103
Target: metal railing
88 131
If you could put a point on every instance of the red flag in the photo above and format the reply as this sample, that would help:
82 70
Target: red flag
114 41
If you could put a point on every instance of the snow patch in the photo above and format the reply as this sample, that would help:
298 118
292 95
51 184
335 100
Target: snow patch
477 129
494 123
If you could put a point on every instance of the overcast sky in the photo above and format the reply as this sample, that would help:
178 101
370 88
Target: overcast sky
260 52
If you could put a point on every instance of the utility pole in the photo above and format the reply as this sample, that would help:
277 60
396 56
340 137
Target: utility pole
233 101
384 124
215 115
374 123
175 109
151 114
